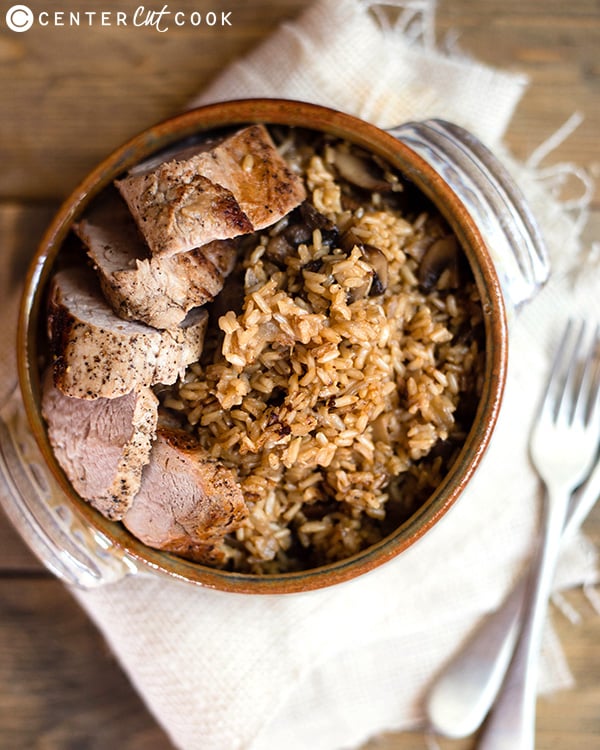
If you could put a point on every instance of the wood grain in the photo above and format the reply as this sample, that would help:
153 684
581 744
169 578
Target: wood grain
64 105
67 104
59 687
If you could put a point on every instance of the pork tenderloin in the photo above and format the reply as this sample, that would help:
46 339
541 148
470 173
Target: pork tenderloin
158 290
96 354
187 500
239 186
101 445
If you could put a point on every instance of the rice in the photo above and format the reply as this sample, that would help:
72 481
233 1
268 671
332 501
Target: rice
338 404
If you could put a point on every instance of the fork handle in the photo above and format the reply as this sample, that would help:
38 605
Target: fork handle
511 723
460 698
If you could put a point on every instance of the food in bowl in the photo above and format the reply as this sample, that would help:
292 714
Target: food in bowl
282 390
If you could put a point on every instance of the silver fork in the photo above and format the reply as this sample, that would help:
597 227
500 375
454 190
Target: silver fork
465 689
563 446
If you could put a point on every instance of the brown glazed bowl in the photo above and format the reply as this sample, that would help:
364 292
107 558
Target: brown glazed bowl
271 111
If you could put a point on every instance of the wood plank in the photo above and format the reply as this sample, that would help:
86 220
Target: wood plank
556 45
59 685
132 80
21 228
15 556
67 104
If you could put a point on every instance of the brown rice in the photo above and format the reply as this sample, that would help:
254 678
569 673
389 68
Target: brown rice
339 410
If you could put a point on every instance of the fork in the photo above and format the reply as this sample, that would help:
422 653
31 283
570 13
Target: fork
464 691
563 446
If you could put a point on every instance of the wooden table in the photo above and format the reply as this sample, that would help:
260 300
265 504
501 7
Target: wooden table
68 96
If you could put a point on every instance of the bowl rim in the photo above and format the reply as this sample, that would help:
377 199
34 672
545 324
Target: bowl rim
313 116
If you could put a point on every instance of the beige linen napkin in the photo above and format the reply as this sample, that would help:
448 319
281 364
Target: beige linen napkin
327 670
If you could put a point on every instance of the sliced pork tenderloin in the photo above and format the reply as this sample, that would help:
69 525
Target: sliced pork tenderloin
248 164
96 354
178 210
101 445
239 186
157 290
187 501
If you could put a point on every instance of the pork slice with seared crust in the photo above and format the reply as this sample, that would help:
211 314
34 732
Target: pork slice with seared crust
240 185
96 354
157 290
178 210
187 501
101 445
248 164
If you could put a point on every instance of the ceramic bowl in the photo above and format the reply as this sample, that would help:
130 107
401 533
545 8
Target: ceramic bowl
429 181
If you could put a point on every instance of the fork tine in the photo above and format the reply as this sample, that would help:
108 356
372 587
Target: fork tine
554 397
593 369
572 389
549 398
585 386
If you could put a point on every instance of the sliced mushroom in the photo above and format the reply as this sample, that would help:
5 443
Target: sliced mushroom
360 171
360 292
252 280
350 239
441 256
378 281
278 249
380 269
298 232
313 219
